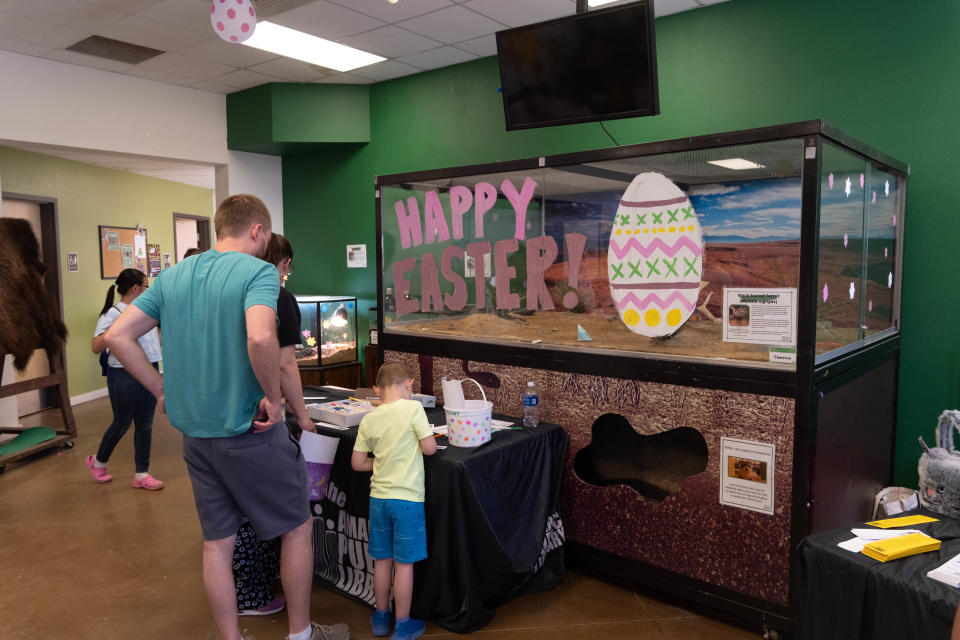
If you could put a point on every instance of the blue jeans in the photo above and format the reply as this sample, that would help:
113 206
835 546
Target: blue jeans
130 401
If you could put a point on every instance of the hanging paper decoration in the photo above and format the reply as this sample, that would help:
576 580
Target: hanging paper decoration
233 20
845 241
655 256
848 189
826 292
861 181
853 291
830 180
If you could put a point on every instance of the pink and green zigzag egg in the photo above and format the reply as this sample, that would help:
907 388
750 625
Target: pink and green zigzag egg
655 257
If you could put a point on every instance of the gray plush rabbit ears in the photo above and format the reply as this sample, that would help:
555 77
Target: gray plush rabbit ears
948 423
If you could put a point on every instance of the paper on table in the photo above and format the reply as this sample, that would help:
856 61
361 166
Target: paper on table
865 536
853 544
873 534
442 429
314 397
948 572
332 426
318 448
901 521
502 424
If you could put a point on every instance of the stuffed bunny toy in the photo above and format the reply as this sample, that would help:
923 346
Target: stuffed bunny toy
940 469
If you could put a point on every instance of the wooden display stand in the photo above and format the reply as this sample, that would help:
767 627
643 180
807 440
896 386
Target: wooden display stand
339 375
58 379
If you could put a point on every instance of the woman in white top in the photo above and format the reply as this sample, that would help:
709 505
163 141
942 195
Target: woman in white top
128 398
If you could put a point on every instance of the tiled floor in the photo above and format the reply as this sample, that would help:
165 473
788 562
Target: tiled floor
79 561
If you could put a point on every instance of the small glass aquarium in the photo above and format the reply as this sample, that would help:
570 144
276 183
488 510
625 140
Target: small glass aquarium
328 330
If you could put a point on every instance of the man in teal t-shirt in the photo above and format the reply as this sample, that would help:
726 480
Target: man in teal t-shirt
221 388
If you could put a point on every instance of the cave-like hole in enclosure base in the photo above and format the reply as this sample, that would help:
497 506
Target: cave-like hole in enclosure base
653 465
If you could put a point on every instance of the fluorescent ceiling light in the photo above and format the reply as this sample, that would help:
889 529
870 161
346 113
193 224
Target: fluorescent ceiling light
737 164
598 3
303 46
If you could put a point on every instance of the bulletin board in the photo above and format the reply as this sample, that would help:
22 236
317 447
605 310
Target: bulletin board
122 248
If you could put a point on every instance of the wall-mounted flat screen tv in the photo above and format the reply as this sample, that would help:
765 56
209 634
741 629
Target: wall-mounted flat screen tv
599 65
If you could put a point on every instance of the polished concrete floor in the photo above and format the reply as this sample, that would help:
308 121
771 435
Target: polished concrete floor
86 561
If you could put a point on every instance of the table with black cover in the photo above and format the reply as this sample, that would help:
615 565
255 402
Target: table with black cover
850 595
493 525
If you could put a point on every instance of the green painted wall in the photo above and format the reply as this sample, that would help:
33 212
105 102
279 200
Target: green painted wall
88 196
883 70
279 117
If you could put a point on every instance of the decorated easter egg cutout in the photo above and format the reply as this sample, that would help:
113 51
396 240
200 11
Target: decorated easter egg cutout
655 257
233 20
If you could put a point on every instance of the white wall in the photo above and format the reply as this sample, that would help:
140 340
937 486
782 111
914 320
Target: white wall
49 102
260 175
62 104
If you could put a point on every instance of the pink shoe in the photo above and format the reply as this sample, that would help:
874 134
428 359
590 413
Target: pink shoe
149 483
99 474
274 606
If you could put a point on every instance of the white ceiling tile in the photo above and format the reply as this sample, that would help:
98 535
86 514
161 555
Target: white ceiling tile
6 44
666 7
183 14
151 34
83 59
452 25
158 76
326 20
36 32
69 13
244 79
442 57
229 53
394 12
343 78
215 87
127 6
517 14
292 70
390 42
387 70
483 47
179 65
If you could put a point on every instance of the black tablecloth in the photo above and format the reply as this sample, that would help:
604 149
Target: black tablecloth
850 595
493 526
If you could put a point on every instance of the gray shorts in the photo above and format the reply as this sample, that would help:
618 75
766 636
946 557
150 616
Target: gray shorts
260 475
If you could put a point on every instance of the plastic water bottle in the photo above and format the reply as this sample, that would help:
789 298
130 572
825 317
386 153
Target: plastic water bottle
531 406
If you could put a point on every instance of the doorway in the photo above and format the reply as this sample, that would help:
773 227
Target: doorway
42 216
190 232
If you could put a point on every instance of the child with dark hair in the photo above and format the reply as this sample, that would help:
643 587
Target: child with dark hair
398 435
129 399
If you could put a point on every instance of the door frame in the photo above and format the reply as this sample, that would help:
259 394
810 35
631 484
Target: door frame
203 231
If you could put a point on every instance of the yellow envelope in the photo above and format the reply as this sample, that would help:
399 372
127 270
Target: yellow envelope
901 521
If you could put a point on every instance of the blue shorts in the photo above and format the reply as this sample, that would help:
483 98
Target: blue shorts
397 530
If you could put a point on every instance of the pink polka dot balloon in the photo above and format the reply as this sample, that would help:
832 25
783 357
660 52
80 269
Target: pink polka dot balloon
233 20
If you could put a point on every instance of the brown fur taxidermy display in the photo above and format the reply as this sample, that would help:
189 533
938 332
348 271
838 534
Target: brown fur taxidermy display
28 316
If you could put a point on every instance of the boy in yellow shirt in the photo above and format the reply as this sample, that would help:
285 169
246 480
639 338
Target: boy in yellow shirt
398 436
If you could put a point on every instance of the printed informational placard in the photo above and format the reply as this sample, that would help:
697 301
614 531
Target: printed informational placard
760 316
113 240
746 474
153 260
356 256
126 251
167 261
140 246
73 261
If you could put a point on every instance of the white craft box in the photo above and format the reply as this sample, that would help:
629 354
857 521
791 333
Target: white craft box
343 413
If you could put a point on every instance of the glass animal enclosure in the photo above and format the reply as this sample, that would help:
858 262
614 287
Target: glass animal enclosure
687 254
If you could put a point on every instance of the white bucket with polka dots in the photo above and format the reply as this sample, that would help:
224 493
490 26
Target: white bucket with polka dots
469 425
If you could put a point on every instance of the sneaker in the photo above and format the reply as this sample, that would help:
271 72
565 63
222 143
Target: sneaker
410 629
337 631
274 606
149 483
99 474
380 623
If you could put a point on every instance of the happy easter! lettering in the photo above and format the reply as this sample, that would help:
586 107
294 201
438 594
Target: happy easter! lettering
440 224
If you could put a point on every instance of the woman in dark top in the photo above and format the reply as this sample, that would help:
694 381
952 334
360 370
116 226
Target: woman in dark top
256 563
